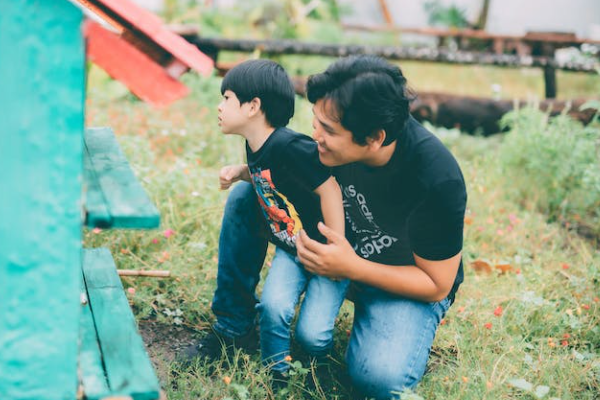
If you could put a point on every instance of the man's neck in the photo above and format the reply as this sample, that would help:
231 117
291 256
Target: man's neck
383 155
257 135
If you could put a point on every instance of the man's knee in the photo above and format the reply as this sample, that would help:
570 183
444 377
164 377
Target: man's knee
380 381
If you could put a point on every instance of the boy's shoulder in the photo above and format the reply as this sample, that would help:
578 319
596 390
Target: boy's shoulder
287 137
288 132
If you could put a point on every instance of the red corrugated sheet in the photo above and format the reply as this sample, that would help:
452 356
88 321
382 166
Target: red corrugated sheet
121 60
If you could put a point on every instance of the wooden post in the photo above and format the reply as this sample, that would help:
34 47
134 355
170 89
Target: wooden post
42 102
387 16
550 81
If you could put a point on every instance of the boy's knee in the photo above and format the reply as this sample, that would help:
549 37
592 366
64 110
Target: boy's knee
379 381
314 341
240 197
275 311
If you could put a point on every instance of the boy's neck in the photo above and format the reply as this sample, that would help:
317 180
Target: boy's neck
257 135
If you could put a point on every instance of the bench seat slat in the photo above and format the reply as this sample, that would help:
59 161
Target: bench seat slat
128 369
91 371
114 197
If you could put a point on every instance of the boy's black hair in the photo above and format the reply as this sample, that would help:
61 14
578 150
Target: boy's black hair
268 81
367 94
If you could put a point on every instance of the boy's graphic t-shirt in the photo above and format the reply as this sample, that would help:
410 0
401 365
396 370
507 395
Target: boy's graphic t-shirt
285 172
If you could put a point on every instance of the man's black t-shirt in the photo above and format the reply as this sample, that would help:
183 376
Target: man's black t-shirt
285 172
414 204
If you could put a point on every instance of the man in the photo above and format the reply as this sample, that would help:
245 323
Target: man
404 200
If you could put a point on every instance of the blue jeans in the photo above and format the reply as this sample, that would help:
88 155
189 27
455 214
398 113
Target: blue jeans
391 336
390 341
285 283
242 250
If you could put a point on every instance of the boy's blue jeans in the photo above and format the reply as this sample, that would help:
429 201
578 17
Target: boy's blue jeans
285 283
391 336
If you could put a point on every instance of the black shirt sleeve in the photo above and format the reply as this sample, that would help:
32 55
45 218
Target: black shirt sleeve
301 158
436 226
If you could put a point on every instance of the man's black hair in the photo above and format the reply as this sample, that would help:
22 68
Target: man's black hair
367 94
266 80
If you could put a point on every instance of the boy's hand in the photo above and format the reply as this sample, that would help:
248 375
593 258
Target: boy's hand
231 174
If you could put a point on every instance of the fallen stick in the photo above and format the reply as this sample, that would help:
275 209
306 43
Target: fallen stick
153 274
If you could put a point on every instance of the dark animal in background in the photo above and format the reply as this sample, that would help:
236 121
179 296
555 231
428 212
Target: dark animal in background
478 115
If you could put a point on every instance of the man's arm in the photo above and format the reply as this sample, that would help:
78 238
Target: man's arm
332 205
426 281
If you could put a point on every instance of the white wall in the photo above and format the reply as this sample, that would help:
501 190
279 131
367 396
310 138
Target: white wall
514 17
577 16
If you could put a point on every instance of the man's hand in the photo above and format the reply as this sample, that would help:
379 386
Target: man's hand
231 174
333 260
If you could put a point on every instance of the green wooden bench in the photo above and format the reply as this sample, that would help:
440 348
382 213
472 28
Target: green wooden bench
112 358
113 196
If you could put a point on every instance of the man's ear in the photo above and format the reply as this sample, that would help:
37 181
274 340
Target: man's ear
255 104
376 141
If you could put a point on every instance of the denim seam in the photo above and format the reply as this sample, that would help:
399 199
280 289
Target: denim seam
420 348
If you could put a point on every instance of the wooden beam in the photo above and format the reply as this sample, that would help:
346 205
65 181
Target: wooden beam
391 52
549 37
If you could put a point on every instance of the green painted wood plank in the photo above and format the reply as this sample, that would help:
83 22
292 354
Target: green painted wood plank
91 369
42 75
97 215
126 200
127 365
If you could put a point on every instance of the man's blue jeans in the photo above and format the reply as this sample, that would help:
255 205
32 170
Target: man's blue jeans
391 336
285 283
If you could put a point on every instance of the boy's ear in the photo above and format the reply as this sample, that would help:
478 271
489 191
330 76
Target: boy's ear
376 141
255 104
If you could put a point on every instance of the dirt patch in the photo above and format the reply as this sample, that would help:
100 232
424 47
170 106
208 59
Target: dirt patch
163 343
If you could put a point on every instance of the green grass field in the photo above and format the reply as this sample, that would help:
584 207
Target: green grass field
525 322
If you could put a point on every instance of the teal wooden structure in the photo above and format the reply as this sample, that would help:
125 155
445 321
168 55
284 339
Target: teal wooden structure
65 323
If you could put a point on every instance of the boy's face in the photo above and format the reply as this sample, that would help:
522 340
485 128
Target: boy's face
336 146
233 116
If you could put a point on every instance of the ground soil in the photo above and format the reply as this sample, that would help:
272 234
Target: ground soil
163 342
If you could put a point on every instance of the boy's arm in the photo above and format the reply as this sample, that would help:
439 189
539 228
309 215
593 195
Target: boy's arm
233 173
331 204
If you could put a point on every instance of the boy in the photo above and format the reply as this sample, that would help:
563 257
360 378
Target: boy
295 191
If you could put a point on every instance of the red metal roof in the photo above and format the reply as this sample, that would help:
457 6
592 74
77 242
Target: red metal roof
152 26
121 60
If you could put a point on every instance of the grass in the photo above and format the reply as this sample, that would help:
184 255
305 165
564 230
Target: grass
526 327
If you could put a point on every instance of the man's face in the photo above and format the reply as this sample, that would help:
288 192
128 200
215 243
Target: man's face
232 115
336 146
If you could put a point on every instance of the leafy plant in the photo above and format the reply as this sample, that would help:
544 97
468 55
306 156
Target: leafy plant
554 163
450 17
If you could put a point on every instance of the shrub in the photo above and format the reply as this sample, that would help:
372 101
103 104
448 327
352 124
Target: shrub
553 163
